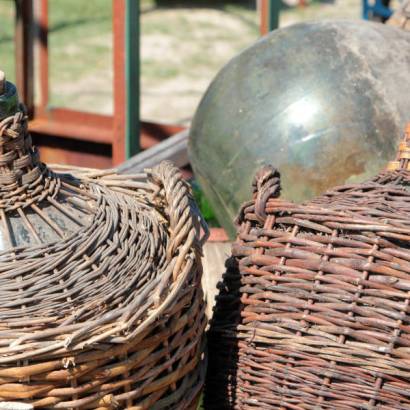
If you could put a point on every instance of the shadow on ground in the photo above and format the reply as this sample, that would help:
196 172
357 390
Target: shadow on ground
220 385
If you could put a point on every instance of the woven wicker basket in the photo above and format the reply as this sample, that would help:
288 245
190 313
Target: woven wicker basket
110 315
314 309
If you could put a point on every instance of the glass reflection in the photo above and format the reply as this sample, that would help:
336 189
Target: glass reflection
303 111
306 101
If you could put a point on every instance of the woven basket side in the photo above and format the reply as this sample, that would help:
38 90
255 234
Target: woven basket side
322 313
100 298
324 296
138 343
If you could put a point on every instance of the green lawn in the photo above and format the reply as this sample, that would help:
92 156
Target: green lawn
7 63
182 48
184 44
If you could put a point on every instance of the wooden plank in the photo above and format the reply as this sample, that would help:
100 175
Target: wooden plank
118 145
78 131
215 256
174 149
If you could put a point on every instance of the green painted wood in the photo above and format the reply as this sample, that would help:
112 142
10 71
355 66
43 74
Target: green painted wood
132 78
8 100
274 12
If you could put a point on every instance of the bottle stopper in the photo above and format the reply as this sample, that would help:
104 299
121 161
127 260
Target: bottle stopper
2 82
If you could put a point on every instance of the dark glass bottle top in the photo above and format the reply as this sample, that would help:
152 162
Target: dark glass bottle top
9 101
36 205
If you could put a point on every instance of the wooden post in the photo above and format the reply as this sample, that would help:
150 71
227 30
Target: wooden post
274 11
126 79
269 14
132 78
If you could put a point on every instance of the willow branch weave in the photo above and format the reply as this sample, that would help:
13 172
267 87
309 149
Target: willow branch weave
111 313
313 311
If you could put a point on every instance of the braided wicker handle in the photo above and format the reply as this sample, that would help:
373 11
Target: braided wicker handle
184 216
266 185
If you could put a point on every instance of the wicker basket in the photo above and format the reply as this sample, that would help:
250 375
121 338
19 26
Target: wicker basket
112 315
401 18
314 309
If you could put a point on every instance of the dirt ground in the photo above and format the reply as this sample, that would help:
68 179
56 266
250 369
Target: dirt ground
212 38
182 48
194 55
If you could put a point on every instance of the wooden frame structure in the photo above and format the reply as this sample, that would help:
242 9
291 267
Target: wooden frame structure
269 15
74 137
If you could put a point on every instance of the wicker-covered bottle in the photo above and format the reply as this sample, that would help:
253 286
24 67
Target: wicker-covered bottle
100 298
314 309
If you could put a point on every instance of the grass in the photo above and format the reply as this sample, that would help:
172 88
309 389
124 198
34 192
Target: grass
7 62
184 44
80 47
151 68
178 51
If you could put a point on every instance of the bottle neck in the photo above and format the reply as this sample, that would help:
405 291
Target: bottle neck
19 162
9 100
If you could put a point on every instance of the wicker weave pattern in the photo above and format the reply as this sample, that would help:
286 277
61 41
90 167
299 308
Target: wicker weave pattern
323 319
22 178
113 315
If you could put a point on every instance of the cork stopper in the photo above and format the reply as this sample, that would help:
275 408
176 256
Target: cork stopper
2 82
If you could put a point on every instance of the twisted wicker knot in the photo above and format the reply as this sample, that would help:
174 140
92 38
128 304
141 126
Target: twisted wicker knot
266 185
23 178
13 126
18 159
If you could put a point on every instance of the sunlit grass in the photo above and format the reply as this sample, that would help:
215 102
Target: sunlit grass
184 44
7 60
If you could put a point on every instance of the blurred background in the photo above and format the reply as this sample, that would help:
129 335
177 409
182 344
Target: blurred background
183 44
